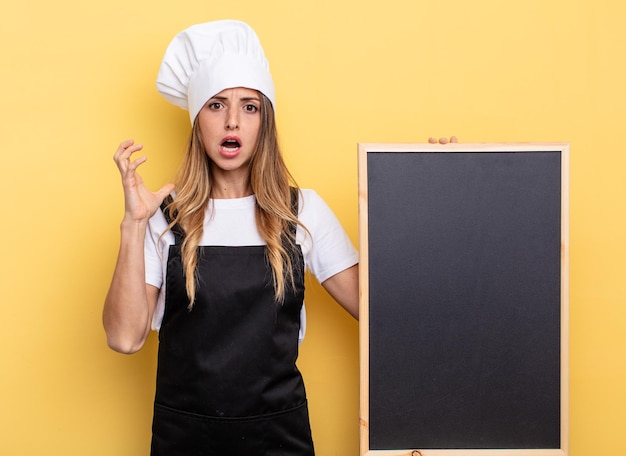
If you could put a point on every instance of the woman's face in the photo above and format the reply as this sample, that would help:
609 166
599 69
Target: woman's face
229 127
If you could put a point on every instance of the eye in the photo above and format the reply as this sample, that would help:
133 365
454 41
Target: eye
251 108
214 105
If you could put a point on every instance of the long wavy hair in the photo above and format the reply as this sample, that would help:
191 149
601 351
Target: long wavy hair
270 181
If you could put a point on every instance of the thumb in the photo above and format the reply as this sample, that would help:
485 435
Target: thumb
164 191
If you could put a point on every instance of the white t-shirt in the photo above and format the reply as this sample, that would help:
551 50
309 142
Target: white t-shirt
231 222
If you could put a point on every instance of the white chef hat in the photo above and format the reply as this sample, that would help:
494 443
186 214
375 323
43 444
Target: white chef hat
205 59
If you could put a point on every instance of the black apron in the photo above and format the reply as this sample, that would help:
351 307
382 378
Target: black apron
227 381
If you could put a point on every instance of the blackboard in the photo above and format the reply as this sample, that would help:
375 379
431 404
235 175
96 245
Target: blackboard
464 299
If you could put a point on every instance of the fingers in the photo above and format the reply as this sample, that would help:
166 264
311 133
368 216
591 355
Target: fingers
132 166
433 140
123 154
126 148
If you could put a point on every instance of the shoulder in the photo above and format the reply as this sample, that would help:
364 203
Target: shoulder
310 200
157 230
314 212
158 223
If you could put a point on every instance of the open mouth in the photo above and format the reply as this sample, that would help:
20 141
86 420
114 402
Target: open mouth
231 144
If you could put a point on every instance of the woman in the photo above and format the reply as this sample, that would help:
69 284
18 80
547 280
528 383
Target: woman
217 267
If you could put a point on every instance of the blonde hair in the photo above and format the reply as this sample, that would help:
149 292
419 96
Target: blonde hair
271 183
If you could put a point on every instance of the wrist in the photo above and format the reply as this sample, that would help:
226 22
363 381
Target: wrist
130 225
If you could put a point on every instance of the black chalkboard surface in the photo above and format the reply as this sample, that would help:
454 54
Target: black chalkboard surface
464 273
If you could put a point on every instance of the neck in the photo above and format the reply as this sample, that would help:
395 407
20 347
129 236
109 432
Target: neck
225 187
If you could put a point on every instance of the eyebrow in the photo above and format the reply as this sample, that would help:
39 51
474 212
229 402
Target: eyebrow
241 99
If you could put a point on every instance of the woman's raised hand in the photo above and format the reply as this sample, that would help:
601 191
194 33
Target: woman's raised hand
140 203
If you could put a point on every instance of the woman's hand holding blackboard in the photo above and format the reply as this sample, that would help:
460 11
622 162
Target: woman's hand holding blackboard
433 140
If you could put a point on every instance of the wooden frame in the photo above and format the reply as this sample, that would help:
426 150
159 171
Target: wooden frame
364 273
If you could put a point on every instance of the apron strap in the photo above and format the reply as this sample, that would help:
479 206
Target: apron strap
294 209
178 232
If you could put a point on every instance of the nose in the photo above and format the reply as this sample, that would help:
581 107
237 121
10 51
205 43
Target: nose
232 120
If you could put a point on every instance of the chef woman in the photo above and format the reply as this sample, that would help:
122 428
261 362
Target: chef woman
216 262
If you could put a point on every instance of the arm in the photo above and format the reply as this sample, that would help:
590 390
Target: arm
344 288
130 302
